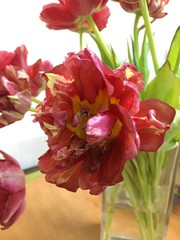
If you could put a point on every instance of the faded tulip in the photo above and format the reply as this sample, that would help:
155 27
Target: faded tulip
70 14
155 7
18 83
33 71
95 121
12 190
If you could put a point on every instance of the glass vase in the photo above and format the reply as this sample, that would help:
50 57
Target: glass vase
139 208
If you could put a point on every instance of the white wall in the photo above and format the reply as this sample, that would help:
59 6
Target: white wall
20 24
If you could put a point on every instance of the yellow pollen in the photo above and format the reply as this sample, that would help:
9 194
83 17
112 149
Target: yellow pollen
114 100
116 129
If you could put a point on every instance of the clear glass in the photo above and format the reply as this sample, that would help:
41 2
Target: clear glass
139 208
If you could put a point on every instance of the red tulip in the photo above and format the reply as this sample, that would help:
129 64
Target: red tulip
70 14
155 7
12 190
90 115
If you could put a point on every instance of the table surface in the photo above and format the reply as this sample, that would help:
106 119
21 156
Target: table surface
53 213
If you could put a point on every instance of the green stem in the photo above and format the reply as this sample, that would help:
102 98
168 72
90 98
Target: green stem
81 39
143 190
100 40
32 109
113 192
145 14
136 39
134 198
35 100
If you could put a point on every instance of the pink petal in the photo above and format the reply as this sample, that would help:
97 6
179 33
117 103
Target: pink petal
14 208
99 127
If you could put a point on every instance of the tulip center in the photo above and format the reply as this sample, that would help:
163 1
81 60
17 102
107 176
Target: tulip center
93 121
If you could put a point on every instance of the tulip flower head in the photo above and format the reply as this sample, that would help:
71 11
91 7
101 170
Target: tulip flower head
12 190
18 83
95 122
70 14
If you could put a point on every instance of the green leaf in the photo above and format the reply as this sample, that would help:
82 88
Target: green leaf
143 60
114 57
174 53
133 52
165 86
172 137
113 62
130 57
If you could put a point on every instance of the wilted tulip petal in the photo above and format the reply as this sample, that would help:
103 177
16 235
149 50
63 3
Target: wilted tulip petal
12 190
35 75
18 83
33 71
15 96
5 58
152 121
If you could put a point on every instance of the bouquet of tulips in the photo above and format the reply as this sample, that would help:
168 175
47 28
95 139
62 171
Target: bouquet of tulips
98 112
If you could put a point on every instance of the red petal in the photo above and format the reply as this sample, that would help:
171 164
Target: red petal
89 74
130 99
152 132
57 16
101 17
83 8
161 108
